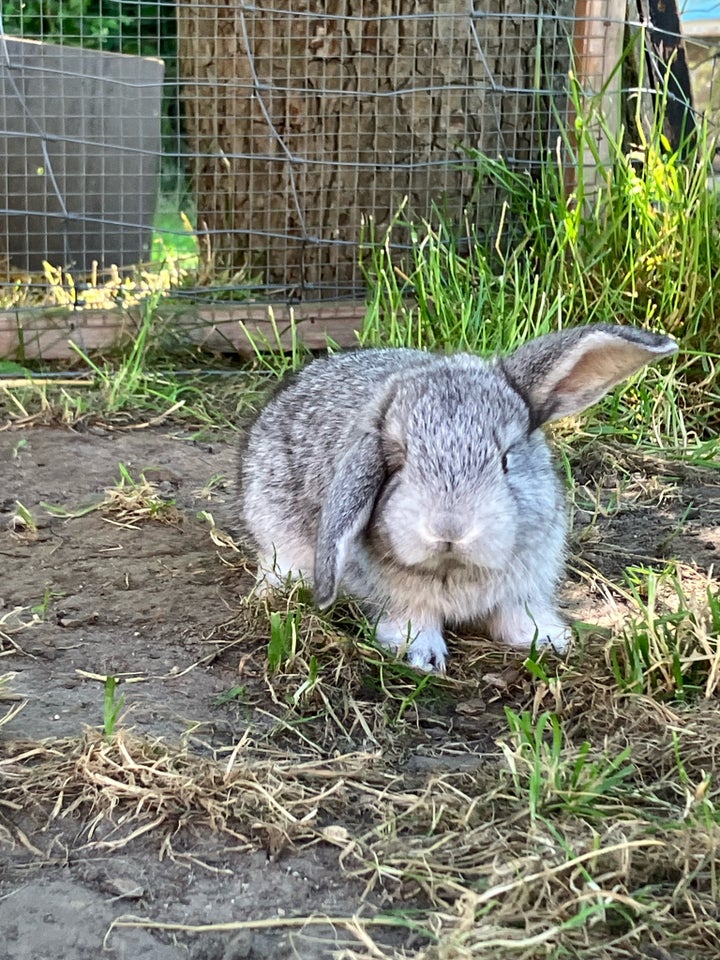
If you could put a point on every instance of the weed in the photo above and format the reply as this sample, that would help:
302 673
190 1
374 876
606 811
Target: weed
307 687
271 355
233 695
133 501
536 665
10 369
282 645
23 522
130 502
551 778
120 385
410 699
112 705
216 484
41 609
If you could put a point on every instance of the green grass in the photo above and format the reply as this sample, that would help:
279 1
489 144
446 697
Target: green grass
645 249
24 520
670 649
282 644
550 777
112 706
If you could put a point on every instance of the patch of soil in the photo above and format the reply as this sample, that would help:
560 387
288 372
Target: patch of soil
156 603
638 513
130 599
68 911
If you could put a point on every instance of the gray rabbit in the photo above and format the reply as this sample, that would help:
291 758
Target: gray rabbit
422 485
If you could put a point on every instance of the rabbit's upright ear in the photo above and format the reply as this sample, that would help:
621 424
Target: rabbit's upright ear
562 373
349 504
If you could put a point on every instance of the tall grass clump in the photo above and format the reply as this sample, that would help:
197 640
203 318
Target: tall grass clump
642 247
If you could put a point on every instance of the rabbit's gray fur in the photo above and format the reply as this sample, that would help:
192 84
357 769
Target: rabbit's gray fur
422 485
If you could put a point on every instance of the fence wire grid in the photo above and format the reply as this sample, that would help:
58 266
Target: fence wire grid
250 145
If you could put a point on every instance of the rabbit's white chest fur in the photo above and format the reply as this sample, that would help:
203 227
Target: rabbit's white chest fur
454 595
411 607
449 588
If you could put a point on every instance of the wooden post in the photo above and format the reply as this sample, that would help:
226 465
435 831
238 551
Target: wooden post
668 71
597 49
46 333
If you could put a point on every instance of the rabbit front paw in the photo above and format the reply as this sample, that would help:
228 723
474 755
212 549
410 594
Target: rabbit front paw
520 628
424 649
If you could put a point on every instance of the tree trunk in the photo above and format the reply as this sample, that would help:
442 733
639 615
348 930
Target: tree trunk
307 117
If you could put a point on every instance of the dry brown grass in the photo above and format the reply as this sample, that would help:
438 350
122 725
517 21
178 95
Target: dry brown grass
135 501
453 842
13 622
131 503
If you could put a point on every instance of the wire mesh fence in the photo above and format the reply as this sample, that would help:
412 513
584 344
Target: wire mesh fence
324 120
254 145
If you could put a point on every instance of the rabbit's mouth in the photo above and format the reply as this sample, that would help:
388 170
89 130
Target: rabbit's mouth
439 559
443 563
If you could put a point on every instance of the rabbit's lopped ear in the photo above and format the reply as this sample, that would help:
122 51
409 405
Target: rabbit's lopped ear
348 507
562 373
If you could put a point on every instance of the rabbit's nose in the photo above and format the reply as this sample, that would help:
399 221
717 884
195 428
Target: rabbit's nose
439 547
449 533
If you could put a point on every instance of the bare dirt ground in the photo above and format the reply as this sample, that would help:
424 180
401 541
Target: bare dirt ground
162 605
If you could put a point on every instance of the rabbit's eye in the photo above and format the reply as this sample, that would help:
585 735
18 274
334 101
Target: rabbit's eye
504 463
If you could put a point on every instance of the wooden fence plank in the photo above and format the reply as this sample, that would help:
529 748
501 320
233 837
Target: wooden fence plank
47 334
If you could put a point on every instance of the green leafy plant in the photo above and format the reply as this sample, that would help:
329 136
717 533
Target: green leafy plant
423 682
122 384
233 695
282 645
41 609
126 27
307 686
23 519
